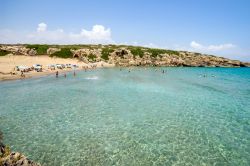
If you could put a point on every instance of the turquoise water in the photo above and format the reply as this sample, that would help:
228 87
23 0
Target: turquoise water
145 117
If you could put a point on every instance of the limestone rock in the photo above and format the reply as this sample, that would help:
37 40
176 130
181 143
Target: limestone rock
17 159
32 52
52 50
122 56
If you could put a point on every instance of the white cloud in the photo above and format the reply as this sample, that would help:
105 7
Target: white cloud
42 27
98 34
197 46
227 50
221 47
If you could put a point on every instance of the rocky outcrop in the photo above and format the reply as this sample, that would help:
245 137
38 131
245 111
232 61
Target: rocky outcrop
135 56
87 54
32 52
16 159
52 50
8 158
19 50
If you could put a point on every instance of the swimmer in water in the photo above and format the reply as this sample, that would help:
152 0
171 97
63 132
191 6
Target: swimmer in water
56 74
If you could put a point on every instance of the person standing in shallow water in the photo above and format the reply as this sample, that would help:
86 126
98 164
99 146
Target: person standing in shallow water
22 74
56 74
74 73
65 75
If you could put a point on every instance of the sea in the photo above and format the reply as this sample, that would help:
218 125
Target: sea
130 116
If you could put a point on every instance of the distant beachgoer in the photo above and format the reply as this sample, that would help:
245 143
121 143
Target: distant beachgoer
163 71
22 74
65 75
74 73
57 74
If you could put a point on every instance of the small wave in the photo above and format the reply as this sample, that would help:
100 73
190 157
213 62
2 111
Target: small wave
92 78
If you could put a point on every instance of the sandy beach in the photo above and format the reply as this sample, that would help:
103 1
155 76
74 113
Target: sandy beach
8 63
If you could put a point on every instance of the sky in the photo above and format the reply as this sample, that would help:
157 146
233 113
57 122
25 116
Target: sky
218 27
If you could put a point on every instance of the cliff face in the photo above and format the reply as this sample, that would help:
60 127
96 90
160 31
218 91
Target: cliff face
127 55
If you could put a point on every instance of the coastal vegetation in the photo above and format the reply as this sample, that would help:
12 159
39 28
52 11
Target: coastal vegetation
92 57
4 52
64 53
123 55
137 51
106 52
157 52
40 49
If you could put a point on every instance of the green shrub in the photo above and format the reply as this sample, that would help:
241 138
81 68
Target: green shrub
155 52
40 49
4 52
64 53
106 52
92 57
76 47
137 51
172 52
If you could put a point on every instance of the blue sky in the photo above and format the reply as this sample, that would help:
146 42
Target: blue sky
220 27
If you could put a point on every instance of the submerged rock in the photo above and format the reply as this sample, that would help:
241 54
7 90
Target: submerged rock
8 158
16 159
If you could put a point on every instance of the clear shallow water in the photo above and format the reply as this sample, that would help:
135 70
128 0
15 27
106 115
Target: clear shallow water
112 117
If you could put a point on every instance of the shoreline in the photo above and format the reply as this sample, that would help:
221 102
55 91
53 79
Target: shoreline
38 74
8 63
34 74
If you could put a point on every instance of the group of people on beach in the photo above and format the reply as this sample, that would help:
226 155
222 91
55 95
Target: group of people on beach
65 75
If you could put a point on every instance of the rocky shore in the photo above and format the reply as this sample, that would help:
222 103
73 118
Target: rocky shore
8 158
124 55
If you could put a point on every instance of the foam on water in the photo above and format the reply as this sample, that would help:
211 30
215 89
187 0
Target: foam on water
142 117
92 78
